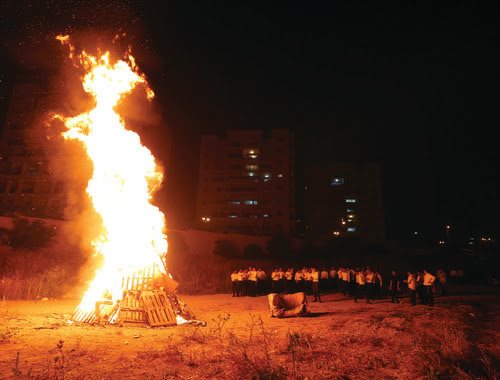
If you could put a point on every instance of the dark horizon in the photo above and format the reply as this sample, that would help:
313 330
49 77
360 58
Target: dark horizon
411 87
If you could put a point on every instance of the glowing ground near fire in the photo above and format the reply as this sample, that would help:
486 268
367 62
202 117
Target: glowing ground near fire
341 340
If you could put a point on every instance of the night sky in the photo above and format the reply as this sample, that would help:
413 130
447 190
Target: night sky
413 87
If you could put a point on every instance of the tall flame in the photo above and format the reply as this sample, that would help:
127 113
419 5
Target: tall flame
124 178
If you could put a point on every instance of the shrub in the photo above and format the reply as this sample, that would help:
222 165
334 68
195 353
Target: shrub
252 251
226 248
279 245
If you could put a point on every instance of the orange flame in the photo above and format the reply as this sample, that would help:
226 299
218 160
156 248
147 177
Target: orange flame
124 177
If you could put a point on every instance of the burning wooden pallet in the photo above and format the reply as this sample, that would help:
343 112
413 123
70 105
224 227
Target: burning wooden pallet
142 303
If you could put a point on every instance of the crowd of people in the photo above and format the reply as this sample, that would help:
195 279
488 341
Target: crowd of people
356 283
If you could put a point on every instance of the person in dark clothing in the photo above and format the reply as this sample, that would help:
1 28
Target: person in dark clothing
395 287
377 285
420 289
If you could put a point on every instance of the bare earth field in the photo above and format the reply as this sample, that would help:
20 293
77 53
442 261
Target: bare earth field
458 338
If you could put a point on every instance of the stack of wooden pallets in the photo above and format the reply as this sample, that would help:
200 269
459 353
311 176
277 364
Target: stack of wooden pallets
141 304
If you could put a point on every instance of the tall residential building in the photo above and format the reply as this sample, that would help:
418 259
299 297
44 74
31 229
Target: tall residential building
246 182
27 184
344 199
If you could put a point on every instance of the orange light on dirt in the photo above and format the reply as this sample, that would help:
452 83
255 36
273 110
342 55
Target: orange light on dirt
125 176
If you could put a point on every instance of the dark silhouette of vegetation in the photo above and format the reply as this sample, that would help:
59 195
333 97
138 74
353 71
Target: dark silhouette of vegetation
253 251
226 248
29 236
279 245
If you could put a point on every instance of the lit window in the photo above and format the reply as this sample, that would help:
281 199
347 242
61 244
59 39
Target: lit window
266 215
251 153
251 174
337 181
350 200
350 209
233 216
350 216
234 202
267 177
252 167
250 202
280 175
351 229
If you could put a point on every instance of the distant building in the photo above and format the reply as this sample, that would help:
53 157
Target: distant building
246 182
344 199
27 185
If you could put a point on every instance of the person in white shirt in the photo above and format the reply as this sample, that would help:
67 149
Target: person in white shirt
241 283
252 282
428 284
289 280
261 281
360 285
369 287
412 287
315 284
308 280
282 280
299 281
234 282
323 279
275 277
333 277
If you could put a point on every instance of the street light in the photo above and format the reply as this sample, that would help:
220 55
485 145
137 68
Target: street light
447 229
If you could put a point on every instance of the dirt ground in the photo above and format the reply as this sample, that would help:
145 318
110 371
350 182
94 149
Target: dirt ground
341 339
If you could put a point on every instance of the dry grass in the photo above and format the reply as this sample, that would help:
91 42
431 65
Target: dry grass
364 343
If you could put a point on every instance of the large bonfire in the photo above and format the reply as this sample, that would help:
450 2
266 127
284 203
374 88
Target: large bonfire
132 239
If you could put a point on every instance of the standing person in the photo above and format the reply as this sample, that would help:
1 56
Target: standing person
428 283
412 287
289 280
353 287
244 283
241 280
340 274
395 287
299 281
324 279
308 280
275 277
261 281
333 278
345 280
377 285
252 282
360 282
315 285
234 282
420 288
370 283
281 273
441 276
